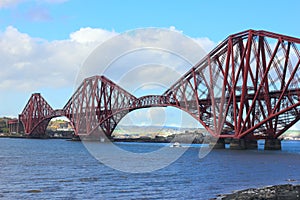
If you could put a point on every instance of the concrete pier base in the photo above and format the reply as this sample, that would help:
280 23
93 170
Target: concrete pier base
272 144
251 144
237 144
219 144
240 144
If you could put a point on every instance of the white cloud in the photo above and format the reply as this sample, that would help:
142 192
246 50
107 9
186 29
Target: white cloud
155 116
173 28
90 35
30 63
206 43
132 56
9 3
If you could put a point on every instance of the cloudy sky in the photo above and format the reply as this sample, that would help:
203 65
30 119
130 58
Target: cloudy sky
45 43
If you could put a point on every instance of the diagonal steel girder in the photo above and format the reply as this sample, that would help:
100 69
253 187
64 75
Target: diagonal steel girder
36 115
248 86
97 106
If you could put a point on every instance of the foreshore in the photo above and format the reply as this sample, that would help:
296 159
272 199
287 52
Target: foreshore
276 192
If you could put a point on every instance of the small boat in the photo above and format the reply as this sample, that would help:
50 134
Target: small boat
176 144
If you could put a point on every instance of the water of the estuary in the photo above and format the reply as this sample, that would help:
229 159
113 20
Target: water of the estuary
60 169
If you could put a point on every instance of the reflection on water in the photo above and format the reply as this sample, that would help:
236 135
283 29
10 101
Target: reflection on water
49 169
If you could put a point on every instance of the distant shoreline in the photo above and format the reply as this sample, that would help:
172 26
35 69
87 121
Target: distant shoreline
138 139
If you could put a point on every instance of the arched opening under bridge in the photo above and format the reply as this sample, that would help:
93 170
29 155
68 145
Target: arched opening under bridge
160 124
60 127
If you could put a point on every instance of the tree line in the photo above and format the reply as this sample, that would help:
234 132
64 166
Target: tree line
4 124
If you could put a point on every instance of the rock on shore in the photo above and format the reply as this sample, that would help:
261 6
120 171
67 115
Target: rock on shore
277 192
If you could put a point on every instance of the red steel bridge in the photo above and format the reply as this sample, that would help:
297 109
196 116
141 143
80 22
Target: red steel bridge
247 88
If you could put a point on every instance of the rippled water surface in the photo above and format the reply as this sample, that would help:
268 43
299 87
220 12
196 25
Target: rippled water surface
59 169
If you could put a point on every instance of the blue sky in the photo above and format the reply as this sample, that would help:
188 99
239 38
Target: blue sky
56 19
57 30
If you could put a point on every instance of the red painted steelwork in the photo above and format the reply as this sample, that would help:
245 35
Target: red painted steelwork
97 106
36 115
248 86
13 126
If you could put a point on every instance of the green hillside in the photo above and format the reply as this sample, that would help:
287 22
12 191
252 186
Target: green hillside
3 124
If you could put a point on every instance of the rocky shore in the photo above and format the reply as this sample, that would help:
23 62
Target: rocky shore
277 192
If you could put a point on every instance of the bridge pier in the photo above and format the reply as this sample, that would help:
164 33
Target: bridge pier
241 144
237 144
219 144
251 144
272 144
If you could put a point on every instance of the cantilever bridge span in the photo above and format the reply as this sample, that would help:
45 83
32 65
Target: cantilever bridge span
248 87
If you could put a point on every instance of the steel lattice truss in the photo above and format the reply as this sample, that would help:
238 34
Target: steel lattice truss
248 86
97 106
36 115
